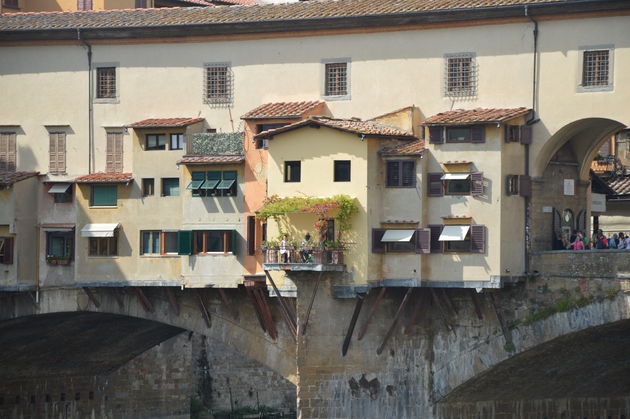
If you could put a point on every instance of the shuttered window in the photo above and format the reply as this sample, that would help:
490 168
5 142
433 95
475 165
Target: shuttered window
114 152
436 187
468 184
420 241
57 152
6 250
436 244
401 174
436 135
84 4
7 152
184 242
474 242
478 239
215 241
251 235
104 196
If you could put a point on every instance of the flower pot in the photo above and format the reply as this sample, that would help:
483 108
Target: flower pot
63 261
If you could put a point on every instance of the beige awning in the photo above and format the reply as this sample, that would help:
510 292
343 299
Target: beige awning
99 230
454 233
59 188
455 176
397 235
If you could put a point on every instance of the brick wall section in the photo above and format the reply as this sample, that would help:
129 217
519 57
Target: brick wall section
156 384
602 264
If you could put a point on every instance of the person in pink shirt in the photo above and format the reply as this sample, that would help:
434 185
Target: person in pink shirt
578 244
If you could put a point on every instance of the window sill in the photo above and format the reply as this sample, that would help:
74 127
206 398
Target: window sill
332 98
213 254
593 89
103 257
159 256
106 100
102 207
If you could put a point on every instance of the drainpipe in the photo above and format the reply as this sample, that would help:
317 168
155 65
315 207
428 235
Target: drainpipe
90 100
531 121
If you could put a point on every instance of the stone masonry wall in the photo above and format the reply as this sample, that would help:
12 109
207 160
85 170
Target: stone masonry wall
156 384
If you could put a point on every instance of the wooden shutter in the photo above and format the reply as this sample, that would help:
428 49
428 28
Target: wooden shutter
235 243
104 195
476 183
184 242
478 239
423 240
251 235
7 152
436 187
7 258
52 152
436 135
478 134
377 245
524 185
436 245
57 152
114 152
526 134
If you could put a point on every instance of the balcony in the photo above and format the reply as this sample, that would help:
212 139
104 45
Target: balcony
303 259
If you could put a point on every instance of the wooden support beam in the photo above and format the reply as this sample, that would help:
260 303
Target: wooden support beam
92 297
449 302
228 304
404 302
353 323
310 304
252 298
442 312
261 298
416 310
144 301
287 313
507 334
172 300
203 309
118 296
377 302
476 303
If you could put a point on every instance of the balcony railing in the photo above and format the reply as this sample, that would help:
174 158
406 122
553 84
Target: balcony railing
303 259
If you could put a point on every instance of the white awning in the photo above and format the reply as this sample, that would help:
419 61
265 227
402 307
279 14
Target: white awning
454 233
57 228
397 235
59 188
99 230
455 176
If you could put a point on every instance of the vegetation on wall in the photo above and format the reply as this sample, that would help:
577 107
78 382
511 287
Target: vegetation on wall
217 143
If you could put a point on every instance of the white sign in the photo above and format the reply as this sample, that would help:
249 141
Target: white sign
569 187
547 209
598 202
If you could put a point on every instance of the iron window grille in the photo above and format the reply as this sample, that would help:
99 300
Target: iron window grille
595 68
336 79
460 75
218 84
106 82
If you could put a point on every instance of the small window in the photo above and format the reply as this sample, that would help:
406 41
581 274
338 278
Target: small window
148 187
461 77
155 142
292 171
103 246
8 153
266 127
595 68
177 142
84 4
105 82
401 174
57 153
511 185
61 192
218 84
342 171
59 246
6 250
13 4
104 196
457 186
227 185
218 241
458 134
170 242
150 242
336 82
262 144
214 183
170 186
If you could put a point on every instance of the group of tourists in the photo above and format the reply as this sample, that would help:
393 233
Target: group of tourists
599 240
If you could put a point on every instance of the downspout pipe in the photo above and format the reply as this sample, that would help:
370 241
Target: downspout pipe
88 47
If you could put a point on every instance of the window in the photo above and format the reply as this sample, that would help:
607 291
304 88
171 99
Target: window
458 238
103 246
213 183
61 192
105 79
169 238
292 171
59 246
469 183
518 134
114 152
155 142
214 241
342 171
400 241
104 196
6 250
518 185
57 152
336 79
218 84
595 68
177 142
84 4
148 187
461 78
141 4
456 183
150 243
170 186
7 151
401 174
457 134
266 127
11 3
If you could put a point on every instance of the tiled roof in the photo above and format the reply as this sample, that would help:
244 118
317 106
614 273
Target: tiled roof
355 126
473 116
165 122
9 178
279 110
620 185
412 148
307 11
105 178
217 159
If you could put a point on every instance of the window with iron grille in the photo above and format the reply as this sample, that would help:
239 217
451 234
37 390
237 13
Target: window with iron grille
460 75
595 68
10 3
336 79
218 84
106 82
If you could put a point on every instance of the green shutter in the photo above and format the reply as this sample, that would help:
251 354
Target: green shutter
197 180
234 242
184 242
228 183
214 177
104 195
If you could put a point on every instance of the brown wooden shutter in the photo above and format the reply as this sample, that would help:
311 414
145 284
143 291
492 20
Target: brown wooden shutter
526 134
114 152
478 134
7 258
478 239
476 183
423 240
524 185
377 245
61 152
251 235
436 135
52 152
4 152
436 245
436 187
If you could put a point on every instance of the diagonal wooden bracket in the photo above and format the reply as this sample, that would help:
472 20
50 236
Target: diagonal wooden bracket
287 313
172 300
261 299
389 333
353 322
228 304
252 297
204 310
92 297
310 304
371 313
144 301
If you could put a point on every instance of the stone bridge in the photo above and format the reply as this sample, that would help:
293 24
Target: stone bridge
554 345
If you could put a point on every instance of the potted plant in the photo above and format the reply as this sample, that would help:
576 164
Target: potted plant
63 260
270 248
51 260
335 250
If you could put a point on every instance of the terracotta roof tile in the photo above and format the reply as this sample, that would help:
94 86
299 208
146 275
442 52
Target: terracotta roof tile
279 110
9 178
412 148
296 12
620 185
355 126
217 159
165 122
105 178
472 116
